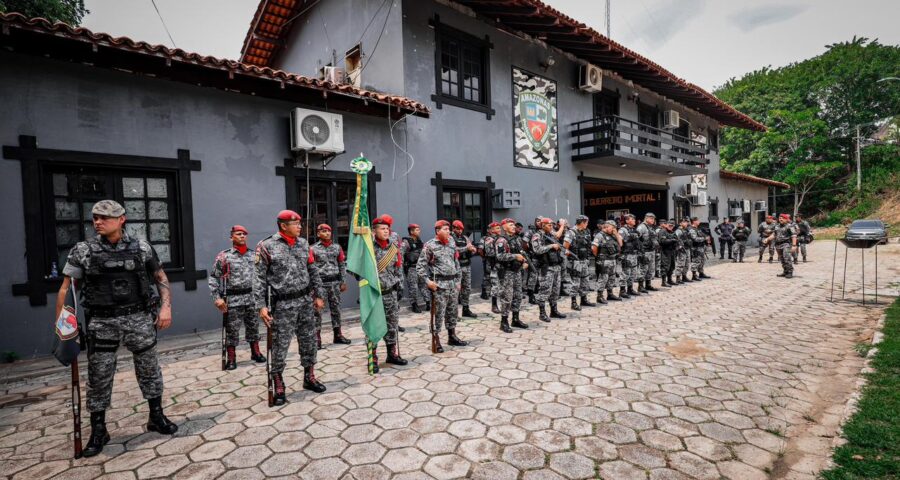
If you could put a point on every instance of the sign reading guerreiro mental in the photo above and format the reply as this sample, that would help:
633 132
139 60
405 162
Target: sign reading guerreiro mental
534 121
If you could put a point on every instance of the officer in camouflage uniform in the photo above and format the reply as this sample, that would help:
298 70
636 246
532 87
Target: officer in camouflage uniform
741 235
288 276
606 247
512 261
668 244
699 241
765 231
785 240
631 250
114 273
682 251
531 275
466 251
332 265
568 265
804 236
389 262
649 244
439 266
546 246
416 290
488 252
231 286
578 241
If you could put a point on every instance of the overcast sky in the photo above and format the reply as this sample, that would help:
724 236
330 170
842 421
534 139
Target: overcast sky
703 41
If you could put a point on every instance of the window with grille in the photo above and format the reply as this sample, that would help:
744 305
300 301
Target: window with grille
465 205
462 70
330 202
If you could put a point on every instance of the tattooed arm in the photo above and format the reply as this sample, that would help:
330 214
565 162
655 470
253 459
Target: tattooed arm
165 311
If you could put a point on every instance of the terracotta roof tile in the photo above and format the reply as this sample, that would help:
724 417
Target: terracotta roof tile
743 177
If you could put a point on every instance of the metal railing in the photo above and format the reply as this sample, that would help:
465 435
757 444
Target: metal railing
610 135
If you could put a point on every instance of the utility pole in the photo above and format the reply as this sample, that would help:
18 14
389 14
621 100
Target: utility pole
607 20
858 167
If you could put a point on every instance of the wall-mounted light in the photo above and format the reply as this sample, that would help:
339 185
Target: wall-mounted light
634 97
670 172
548 62
622 165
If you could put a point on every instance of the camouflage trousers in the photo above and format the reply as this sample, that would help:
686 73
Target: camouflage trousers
582 278
768 246
294 319
566 278
487 277
786 257
682 262
549 284
739 249
630 270
606 274
532 278
416 290
137 332
510 290
446 307
493 283
698 259
801 250
244 315
333 302
666 263
465 290
392 315
648 266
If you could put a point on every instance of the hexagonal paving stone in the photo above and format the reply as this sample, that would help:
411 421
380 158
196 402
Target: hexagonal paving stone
404 460
661 440
404 437
447 467
162 467
620 470
707 448
532 421
363 453
479 450
437 443
506 434
524 456
465 429
325 447
494 471
722 433
572 465
550 440
255 436
693 466
243 457
642 456
283 464
324 469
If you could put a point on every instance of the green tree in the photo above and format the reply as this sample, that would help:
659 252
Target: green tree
67 11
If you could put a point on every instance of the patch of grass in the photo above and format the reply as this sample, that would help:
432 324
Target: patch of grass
862 348
775 431
873 433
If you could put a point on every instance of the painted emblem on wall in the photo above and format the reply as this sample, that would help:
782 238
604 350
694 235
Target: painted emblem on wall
535 131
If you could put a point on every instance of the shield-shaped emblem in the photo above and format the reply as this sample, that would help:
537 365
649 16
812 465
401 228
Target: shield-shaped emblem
66 323
537 118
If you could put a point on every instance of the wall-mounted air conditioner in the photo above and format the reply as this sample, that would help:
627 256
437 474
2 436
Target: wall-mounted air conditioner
702 198
760 206
590 78
315 131
735 212
691 189
671 119
745 205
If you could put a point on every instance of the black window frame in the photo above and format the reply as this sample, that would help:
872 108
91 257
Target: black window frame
442 33
37 165
484 188
713 209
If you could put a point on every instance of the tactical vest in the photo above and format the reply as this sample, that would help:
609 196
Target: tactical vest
783 234
465 256
701 238
631 242
514 245
741 234
582 246
646 237
550 257
609 247
669 241
116 278
411 257
804 228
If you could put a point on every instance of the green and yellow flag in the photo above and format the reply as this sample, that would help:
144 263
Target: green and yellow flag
361 261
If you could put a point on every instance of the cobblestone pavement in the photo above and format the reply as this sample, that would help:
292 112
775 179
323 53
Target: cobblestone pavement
744 376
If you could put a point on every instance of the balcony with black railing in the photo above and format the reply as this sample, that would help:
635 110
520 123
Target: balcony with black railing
615 141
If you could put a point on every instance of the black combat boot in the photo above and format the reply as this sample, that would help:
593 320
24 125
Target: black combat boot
310 382
453 340
400 329
255 354
695 277
319 340
575 304
543 315
664 282
438 348
494 307
609 296
468 313
340 338
587 303
760 259
600 299
554 312
770 259
99 435
704 275
531 299
518 323
671 283
623 293
415 308
278 398
393 355
649 286
631 291
504 324
158 421
230 360
484 293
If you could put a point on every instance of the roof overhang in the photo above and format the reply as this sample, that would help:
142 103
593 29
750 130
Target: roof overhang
743 177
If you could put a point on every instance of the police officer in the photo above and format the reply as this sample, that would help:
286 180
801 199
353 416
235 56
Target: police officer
699 241
741 236
439 266
531 275
231 286
332 265
389 262
725 231
568 258
765 230
466 252
546 246
606 247
649 244
683 251
804 236
785 240
668 246
578 241
488 251
287 275
114 273
415 286
512 261
631 248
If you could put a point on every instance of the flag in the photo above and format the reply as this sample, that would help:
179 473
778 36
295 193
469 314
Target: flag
361 261
66 343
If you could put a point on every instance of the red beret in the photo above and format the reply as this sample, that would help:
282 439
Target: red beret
785 216
380 221
546 220
239 228
324 226
389 220
412 226
507 220
494 224
441 223
769 216
288 215
458 224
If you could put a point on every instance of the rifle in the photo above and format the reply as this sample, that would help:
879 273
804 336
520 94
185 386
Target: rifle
76 408
431 323
224 315
67 346
271 385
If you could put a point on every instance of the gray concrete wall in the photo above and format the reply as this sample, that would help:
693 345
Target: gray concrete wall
238 138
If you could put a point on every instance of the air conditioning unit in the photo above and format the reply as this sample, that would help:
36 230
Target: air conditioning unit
590 78
334 75
745 205
699 199
315 131
760 206
735 212
691 189
671 119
